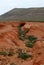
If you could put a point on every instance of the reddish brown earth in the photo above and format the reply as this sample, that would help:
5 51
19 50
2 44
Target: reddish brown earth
9 38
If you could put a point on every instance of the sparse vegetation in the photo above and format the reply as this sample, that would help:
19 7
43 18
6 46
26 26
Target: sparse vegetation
24 55
31 41
22 34
30 44
11 53
3 53
12 64
32 38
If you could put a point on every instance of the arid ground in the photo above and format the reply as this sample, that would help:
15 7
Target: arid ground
21 43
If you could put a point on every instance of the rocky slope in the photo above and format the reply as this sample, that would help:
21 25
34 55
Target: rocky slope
25 14
21 43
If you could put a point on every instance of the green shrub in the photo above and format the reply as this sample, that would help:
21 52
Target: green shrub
24 55
30 44
3 53
22 34
32 38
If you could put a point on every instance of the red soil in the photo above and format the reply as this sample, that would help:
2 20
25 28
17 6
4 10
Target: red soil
9 38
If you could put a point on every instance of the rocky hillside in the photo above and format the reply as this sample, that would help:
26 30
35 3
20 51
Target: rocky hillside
26 14
21 43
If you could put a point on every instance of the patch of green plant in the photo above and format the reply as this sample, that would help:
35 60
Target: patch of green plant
12 64
31 41
32 38
22 33
30 44
3 53
24 55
